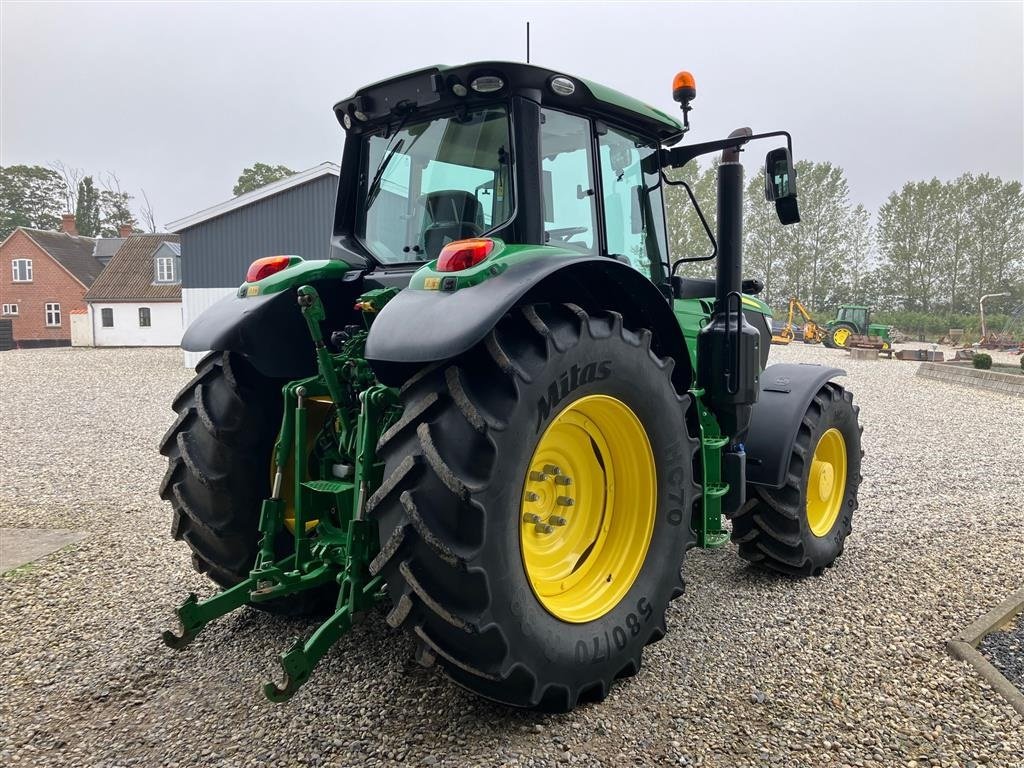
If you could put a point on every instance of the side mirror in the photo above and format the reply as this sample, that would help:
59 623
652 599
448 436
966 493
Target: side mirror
780 184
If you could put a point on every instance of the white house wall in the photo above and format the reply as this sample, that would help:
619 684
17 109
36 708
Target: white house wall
195 302
165 329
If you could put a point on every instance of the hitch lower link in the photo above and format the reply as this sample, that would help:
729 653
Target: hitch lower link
333 543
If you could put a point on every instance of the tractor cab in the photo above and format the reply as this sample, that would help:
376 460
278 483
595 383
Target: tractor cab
855 315
501 150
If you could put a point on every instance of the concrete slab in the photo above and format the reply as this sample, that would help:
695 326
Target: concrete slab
23 545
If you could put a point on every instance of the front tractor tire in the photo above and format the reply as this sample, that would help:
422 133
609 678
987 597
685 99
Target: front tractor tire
536 507
218 473
801 528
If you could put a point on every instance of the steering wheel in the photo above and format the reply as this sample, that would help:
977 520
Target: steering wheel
563 234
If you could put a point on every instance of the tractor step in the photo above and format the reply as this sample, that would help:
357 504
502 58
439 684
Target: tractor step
716 490
328 486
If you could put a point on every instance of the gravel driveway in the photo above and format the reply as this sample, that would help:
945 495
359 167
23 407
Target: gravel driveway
846 669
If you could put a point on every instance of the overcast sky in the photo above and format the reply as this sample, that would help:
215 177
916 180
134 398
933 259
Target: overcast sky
177 99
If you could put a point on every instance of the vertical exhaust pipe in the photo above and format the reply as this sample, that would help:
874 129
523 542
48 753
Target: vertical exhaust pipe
728 360
730 222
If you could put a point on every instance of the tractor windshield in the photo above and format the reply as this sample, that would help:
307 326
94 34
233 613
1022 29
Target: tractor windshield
432 182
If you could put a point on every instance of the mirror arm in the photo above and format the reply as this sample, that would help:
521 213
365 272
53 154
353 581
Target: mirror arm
680 156
703 221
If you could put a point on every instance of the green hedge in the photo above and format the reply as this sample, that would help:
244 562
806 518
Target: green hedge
935 327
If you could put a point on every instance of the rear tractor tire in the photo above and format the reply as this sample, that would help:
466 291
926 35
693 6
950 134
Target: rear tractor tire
801 528
218 454
536 507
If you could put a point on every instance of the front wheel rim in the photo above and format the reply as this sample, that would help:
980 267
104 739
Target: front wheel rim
588 508
826 482
841 336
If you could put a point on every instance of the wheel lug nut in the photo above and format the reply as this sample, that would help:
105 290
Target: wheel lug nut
564 501
529 517
538 477
551 469
531 496
563 480
544 528
557 520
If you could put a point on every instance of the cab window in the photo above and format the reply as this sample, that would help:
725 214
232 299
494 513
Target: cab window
570 217
633 206
435 181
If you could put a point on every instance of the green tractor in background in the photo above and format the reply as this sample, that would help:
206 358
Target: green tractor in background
854 319
501 410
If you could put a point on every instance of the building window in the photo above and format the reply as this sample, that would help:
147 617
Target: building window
144 321
165 269
10 309
53 315
21 270
107 317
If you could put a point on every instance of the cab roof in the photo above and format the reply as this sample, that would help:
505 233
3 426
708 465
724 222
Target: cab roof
437 87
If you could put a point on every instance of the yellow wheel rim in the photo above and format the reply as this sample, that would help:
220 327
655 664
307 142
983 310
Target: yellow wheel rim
319 408
841 336
826 483
588 508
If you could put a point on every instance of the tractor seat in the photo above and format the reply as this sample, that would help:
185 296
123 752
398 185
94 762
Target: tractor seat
704 288
451 214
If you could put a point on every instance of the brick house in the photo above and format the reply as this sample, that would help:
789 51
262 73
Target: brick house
43 278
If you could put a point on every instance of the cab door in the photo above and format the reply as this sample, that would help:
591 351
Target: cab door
631 201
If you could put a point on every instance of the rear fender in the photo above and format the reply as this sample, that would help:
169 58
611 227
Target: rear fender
268 329
786 391
420 326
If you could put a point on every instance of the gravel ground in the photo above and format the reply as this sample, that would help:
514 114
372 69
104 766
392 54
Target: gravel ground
846 669
1005 650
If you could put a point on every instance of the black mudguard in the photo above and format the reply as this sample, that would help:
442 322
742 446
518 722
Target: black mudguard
269 331
786 391
421 326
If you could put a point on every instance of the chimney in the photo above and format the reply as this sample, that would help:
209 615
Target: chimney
125 230
67 224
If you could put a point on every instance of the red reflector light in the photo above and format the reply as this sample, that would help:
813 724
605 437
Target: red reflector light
266 267
463 254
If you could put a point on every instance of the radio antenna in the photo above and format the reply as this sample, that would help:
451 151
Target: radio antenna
527 42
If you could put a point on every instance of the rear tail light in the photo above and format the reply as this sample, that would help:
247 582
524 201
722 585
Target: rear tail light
266 267
463 254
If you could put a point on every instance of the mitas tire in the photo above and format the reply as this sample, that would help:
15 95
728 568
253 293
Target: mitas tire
218 473
449 509
773 528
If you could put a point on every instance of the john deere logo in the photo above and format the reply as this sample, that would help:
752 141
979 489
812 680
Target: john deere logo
572 379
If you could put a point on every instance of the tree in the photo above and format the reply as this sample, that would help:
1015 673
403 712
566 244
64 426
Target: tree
996 262
766 251
823 258
115 206
259 175
146 211
30 196
944 245
71 176
87 208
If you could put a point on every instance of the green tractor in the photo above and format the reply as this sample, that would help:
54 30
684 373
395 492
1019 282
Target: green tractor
855 319
500 411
